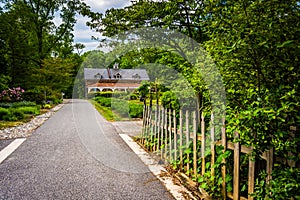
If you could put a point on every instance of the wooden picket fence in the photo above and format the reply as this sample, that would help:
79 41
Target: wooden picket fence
167 134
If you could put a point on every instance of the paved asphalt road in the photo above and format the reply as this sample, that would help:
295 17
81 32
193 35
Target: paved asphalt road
76 154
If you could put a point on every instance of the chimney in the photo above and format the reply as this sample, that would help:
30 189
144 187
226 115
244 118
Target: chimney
108 72
116 66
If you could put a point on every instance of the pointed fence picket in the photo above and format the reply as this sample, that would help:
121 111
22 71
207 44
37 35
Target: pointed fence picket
174 136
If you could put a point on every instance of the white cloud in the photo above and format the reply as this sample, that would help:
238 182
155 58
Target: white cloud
82 33
103 5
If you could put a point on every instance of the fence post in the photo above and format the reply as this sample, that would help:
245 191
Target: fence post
155 129
144 123
170 135
202 144
195 128
158 128
162 131
144 115
151 130
150 133
187 139
166 133
175 134
251 177
180 138
236 169
147 125
224 144
212 144
270 161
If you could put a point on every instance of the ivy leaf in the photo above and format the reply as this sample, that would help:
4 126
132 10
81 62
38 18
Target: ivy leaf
286 43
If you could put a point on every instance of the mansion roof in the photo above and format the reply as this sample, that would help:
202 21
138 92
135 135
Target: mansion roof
115 85
115 74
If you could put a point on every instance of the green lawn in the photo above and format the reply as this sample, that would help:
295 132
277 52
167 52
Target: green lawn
6 124
117 109
106 112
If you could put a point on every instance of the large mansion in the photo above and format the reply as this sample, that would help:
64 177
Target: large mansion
106 79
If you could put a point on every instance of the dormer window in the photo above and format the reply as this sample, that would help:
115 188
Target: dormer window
136 76
118 76
98 76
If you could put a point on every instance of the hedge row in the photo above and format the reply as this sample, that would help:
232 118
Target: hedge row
122 107
119 95
18 113
17 104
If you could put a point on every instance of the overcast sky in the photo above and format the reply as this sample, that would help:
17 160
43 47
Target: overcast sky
83 33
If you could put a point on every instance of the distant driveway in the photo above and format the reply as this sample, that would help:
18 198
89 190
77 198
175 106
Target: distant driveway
76 154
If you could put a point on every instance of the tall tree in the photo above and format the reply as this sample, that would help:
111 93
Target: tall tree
31 35
17 37
40 15
256 47
79 47
55 76
185 16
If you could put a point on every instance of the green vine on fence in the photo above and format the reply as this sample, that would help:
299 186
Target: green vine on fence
212 183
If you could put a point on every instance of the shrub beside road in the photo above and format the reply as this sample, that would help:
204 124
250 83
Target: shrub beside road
115 109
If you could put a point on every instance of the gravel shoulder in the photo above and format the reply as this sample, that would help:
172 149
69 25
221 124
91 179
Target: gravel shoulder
25 130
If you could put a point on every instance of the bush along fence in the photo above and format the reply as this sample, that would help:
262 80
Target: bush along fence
197 148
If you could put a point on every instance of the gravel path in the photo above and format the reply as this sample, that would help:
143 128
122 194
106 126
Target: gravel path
26 129
76 154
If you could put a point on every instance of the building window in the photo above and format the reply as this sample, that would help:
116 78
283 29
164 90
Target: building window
118 76
136 76
93 90
98 76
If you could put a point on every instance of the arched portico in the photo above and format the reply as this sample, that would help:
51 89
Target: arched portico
124 87
122 80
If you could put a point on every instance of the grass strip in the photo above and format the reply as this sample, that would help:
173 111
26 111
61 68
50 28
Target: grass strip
8 124
106 112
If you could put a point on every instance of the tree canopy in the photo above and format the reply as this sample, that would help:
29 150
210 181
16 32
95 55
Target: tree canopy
32 32
255 46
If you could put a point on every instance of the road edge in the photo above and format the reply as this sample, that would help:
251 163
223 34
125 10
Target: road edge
9 149
179 192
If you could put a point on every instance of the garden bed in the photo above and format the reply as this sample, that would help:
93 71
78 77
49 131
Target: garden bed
24 128
18 113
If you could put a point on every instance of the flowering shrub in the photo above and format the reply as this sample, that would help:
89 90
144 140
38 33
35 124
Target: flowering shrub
12 95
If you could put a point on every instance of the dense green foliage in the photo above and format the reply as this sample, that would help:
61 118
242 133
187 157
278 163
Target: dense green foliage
121 107
255 45
4 82
37 63
37 53
17 104
3 112
169 100
18 110
14 115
